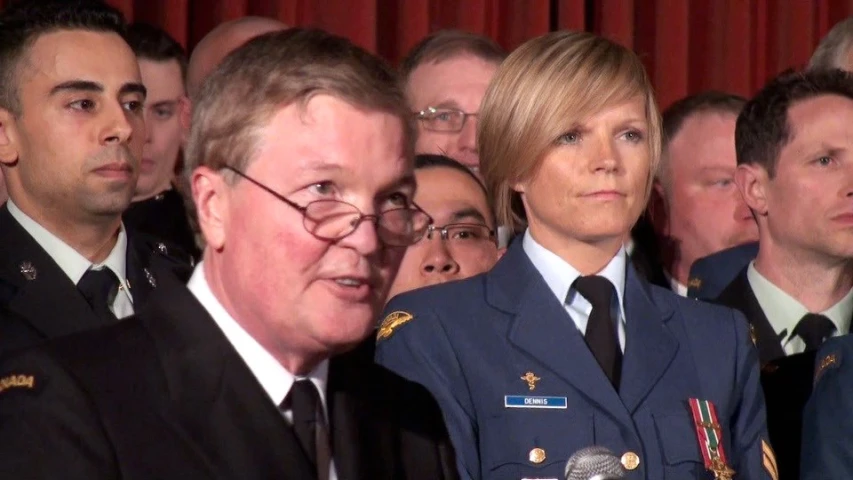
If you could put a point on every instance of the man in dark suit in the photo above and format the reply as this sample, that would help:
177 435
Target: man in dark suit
562 345
258 368
795 171
71 134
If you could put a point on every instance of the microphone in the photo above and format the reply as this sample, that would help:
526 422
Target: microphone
594 463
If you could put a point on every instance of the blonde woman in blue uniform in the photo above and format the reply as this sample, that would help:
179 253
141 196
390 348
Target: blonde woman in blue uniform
562 345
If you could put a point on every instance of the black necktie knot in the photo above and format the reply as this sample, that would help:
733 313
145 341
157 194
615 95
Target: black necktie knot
596 289
814 328
98 288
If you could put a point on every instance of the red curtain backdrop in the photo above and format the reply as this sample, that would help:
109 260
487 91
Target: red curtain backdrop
687 45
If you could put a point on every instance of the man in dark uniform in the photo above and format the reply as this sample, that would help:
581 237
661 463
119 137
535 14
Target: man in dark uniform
158 208
71 134
261 366
795 171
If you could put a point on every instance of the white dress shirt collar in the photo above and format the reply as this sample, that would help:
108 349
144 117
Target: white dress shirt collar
560 275
273 377
675 285
69 260
784 311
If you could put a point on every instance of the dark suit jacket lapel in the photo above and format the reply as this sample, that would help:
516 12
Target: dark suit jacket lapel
739 295
363 442
215 398
49 300
543 329
649 345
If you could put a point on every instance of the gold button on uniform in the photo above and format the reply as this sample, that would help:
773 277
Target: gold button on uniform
630 461
537 455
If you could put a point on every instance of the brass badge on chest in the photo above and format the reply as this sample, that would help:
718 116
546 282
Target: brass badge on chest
531 380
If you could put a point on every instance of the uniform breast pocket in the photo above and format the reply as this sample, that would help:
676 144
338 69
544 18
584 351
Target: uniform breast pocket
682 458
521 443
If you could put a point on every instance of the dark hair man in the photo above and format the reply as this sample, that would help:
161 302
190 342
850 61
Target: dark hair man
461 241
795 171
158 208
71 136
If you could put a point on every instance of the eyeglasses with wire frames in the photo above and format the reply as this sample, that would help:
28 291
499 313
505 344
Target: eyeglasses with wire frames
462 233
443 119
332 220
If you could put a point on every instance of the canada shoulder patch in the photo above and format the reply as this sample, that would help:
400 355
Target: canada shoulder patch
18 382
392 321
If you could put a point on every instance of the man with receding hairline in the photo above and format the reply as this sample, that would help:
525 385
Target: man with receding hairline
221 41
261 366
446 75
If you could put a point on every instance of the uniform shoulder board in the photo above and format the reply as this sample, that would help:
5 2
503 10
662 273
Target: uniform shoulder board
19 382
393 321
769 460
826 362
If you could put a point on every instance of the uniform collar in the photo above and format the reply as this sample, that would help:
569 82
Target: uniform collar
559 275
273 377
69 260
784 311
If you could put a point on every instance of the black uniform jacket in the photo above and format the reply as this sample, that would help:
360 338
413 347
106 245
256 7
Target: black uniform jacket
37 299
786 380
164 395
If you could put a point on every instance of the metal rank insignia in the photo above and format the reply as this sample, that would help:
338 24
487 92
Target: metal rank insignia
148 276
709 433
28 270
531 380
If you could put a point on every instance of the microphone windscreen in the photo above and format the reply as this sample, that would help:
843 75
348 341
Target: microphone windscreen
596 463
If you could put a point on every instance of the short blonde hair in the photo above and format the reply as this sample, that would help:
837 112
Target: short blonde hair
541 90
834 47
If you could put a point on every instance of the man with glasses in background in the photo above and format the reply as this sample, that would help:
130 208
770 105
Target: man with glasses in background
461 241
446 75
258 368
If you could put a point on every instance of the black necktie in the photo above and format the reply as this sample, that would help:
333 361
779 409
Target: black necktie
99 287
814 329
600 333
309 424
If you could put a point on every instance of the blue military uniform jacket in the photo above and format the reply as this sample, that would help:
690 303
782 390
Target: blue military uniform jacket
502 338
710 275
827 450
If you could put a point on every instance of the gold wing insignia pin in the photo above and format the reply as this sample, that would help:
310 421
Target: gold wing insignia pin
391 323
831 360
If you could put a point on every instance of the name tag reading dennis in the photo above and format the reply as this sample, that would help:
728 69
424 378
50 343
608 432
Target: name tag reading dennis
524 401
